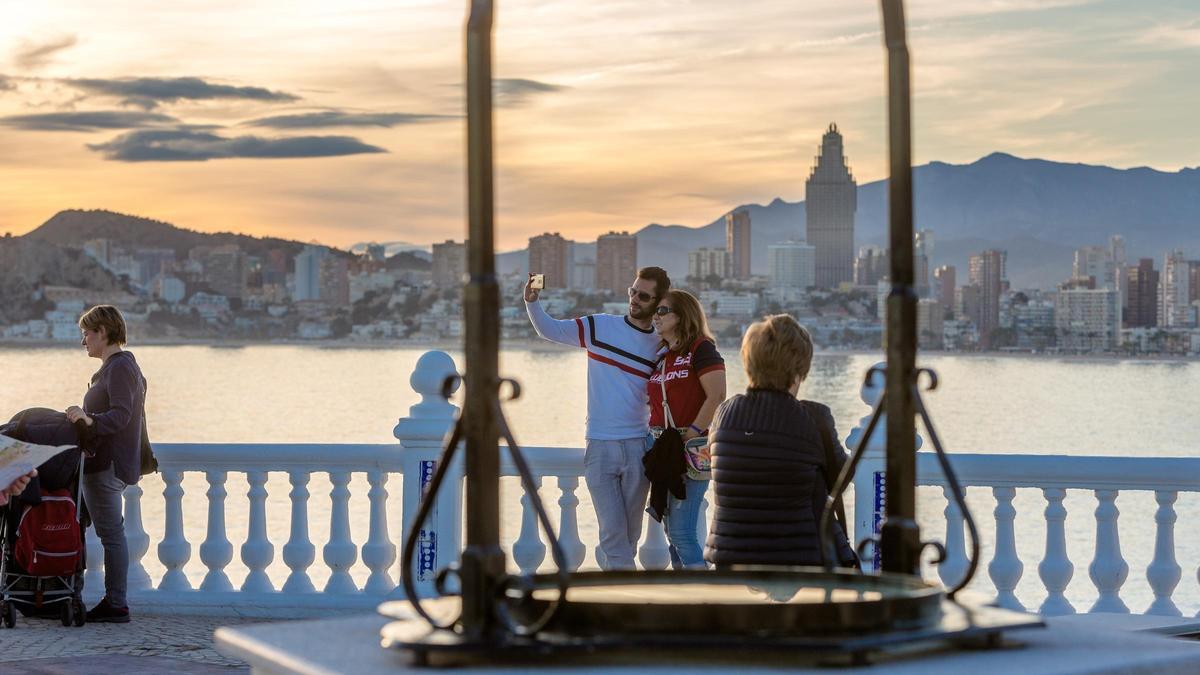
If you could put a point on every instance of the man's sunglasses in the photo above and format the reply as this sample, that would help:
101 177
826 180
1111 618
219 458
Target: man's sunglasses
663 310
640 295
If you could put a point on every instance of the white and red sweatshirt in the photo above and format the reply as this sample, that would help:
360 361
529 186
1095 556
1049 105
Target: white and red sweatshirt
621 358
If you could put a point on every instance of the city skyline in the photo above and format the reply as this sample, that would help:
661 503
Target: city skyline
372 93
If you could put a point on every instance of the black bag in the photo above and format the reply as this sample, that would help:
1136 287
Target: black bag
839 507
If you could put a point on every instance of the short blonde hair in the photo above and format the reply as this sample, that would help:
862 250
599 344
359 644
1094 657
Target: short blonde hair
776 351
109 318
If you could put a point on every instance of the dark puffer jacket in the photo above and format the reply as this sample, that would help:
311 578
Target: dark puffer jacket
768 485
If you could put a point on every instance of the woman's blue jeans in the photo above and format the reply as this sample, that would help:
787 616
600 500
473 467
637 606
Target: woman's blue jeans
683 517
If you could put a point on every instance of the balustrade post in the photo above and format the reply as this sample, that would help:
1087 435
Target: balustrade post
299 552
1006 567
1108 569
136 539
257 552
952 569
216 551
379 552
174 550
1164 572
421 435
529 550
94 576
870 503
1056 568
568 522
653 553
340 552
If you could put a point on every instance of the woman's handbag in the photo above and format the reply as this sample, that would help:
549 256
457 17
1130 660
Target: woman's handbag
695 451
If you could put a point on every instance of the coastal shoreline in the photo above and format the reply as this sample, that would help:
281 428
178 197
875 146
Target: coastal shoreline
539 345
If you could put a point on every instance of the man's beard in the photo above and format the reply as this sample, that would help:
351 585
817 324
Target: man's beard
639 313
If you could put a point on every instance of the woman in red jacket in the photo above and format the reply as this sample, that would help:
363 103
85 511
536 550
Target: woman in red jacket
692 376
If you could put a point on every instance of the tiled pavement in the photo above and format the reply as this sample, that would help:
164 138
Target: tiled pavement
148 644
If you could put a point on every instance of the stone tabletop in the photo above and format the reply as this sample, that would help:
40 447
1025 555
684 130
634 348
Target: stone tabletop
1066 645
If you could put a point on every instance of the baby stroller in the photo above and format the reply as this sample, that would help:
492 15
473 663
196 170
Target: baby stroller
42 549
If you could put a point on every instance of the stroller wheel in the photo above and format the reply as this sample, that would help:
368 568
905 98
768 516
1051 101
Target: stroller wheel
67 614
80 614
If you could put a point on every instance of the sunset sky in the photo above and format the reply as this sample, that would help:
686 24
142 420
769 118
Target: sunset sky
342 121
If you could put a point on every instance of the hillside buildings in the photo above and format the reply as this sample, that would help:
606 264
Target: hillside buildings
737 243
986 272
871 265
1177 290
616 261
943 285
792 265
708 265
831 199
1141 295
1087 319
549 255
449 263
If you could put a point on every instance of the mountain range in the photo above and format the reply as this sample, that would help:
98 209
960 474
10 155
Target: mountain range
1037 210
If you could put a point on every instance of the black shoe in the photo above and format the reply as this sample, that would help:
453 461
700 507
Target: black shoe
106 613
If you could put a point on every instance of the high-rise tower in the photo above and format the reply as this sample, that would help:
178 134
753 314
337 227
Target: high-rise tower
737 242
830 199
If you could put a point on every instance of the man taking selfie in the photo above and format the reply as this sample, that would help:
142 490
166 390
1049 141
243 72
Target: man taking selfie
621 357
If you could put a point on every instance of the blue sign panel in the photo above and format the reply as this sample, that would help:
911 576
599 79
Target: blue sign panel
427 538
878 508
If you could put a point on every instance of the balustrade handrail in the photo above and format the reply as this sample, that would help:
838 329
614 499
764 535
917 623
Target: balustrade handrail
278 456
1065 471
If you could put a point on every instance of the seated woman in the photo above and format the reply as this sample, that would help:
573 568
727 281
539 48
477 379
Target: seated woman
768 457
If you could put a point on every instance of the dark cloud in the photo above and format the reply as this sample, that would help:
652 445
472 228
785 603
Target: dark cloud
195 145
513 92
86 121
338 118
32 55
149 92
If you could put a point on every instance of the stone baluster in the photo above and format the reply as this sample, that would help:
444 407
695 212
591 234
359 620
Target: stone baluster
653 553
136 538
257 552
299 552
1164 572
216 552
421 435
702 521
1108 569
952 569
93 578
870 505
529 550
174 550
568 522
379 552
1056 569
340 553
1006 568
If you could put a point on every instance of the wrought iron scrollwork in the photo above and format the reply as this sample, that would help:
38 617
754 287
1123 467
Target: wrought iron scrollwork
511 588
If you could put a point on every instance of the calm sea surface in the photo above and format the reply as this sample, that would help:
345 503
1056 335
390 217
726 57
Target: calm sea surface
277 394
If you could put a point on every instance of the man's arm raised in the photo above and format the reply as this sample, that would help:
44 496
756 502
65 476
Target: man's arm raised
567 332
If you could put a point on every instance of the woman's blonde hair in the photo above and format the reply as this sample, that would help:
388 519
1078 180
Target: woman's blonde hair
776 351
109 318
690 315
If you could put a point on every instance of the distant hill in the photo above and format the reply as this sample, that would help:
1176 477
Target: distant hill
26 265
1039 211
74 227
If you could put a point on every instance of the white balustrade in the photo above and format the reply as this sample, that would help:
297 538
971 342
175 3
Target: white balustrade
136 538
299 552
1164 573
216 551
257 552
379 552
1056 569
529 551
1108 569
340 553
568 522
421 435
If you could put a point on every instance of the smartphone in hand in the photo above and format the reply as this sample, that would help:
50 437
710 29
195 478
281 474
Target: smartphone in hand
537 281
